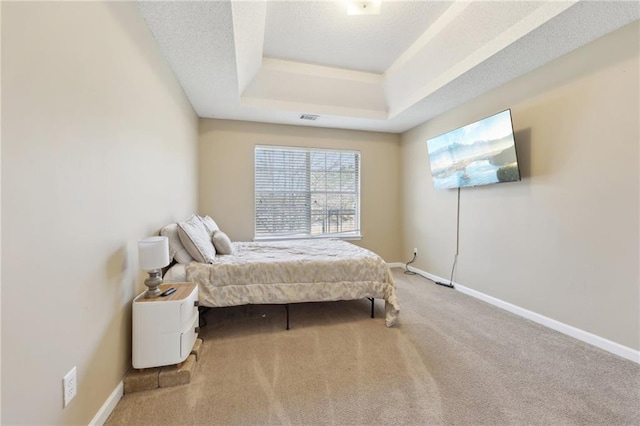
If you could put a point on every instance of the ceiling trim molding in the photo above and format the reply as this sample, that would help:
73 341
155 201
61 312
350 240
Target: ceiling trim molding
314 108
302 68
451 14
249 20
519 29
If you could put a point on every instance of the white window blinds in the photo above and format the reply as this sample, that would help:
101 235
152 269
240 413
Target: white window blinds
302 193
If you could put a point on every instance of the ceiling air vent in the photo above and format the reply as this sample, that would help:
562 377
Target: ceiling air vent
309 117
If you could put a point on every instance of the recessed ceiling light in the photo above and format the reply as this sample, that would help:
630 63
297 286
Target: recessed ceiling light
371 7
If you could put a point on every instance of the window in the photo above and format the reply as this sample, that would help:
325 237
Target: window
302 193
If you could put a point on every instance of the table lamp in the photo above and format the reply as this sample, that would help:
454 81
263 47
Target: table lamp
153 255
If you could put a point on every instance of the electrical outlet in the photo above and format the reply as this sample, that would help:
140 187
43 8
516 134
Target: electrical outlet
415 251
69 386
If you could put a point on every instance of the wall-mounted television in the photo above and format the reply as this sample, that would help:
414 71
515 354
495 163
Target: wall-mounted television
479 153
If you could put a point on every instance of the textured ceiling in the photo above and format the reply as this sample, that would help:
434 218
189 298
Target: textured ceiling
322 33
271 61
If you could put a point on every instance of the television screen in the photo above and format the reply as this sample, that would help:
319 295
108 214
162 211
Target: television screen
479 153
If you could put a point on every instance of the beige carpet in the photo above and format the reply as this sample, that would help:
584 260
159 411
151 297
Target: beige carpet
452 360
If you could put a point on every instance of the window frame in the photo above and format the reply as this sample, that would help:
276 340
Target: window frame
348 235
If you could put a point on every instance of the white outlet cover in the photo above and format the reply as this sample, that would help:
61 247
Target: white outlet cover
69 386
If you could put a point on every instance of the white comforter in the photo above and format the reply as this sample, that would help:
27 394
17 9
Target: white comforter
295 271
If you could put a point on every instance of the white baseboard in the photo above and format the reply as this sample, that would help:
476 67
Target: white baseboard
396 265
585 336
103 413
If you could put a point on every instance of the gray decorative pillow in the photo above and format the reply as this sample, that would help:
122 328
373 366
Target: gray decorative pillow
209 224
222 243
176 248
195 239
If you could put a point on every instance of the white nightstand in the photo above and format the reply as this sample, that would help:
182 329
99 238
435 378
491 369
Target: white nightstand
165 328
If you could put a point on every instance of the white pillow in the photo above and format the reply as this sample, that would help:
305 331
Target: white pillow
176 274
176 248
196 240
222 243
209 224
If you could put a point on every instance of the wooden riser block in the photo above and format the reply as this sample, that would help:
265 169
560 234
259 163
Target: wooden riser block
197 346
174 375
141 380
144 379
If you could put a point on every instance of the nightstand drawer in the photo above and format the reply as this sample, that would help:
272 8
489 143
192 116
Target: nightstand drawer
188 309
188 338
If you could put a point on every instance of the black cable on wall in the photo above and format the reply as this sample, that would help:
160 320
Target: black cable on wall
455 257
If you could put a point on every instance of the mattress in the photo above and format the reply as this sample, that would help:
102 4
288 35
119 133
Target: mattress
292 272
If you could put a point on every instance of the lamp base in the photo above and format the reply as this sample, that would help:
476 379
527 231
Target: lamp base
154 280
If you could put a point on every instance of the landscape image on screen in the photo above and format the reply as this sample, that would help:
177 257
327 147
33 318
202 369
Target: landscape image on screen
480 153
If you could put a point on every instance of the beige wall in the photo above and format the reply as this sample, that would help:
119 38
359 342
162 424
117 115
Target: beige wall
99 149
564 241
226 162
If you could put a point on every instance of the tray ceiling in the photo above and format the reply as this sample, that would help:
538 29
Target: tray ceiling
272 61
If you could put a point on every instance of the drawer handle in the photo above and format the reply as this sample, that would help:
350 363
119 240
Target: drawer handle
196 303
197 329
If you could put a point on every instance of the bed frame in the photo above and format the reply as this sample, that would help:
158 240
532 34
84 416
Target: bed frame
204 309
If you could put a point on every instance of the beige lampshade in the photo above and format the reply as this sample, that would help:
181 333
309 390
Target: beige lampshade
153 253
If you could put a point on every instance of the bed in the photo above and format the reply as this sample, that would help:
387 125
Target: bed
294 271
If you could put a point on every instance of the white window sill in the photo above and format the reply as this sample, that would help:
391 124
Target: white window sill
349 237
